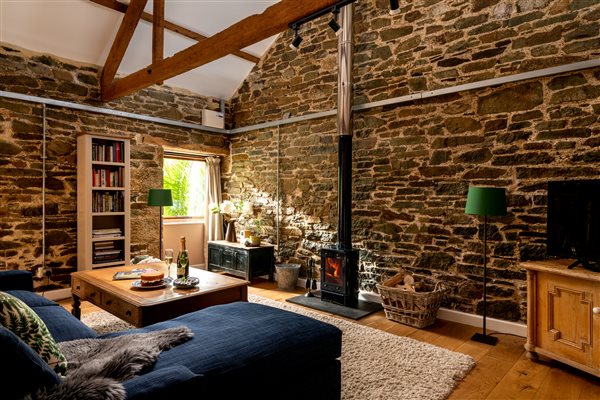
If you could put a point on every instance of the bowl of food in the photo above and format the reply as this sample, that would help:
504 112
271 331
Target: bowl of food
187 282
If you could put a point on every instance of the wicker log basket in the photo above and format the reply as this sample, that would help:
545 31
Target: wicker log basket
414 308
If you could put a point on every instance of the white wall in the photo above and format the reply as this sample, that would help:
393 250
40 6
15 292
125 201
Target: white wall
194 239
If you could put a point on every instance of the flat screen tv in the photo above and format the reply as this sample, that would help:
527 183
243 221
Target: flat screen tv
573 229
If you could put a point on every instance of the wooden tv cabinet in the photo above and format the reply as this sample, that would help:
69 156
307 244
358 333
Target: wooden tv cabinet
563 314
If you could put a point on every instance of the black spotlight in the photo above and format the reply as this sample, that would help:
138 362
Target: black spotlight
333 24
394 7
297 39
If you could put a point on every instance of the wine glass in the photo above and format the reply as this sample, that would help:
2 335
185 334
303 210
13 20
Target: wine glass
168 260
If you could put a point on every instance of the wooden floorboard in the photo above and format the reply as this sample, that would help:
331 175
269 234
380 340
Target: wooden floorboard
502 371
522 381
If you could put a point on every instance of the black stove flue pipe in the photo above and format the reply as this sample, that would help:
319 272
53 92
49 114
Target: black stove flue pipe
345 192
344 126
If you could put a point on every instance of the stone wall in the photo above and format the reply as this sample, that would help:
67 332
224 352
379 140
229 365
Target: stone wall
413 163
21 133
430 44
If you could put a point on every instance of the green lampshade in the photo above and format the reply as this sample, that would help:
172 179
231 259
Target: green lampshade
160 197
486 201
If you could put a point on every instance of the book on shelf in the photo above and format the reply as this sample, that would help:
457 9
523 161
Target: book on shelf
105 245
108 260
106 253
107 202
107 233
118 152
100 259
106 230
103 177
107 152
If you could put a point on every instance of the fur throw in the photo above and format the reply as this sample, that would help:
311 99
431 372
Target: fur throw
96 366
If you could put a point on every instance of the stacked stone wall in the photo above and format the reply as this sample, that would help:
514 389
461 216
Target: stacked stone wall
430 44
21 134
413 162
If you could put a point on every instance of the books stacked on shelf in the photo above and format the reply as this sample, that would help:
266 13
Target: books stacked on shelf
104 177
107 202
107 233
105 252
108 152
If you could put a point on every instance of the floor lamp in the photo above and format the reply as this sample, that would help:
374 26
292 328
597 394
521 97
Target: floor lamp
489 202
160 198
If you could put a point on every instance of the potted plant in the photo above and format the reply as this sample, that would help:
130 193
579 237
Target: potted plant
257 231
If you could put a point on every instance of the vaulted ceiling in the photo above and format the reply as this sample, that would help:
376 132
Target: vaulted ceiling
84 31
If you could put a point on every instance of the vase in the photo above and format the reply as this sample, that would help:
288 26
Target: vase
230 235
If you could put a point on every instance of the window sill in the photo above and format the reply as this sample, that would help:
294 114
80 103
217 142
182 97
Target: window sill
194 221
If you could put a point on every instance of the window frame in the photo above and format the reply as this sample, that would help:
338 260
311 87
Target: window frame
174 154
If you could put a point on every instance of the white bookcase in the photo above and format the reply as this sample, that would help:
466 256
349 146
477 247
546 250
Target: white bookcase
103 200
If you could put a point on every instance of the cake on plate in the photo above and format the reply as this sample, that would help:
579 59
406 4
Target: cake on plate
152 278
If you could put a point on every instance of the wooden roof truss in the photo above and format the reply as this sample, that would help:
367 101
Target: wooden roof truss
257 27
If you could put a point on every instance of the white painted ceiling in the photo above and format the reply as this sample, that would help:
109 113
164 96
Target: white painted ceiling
82 31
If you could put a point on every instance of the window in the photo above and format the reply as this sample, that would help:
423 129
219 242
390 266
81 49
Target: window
186 179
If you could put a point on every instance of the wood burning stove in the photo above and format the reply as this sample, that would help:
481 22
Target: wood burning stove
339 276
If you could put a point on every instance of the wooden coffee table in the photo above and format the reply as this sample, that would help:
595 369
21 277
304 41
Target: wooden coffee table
142 307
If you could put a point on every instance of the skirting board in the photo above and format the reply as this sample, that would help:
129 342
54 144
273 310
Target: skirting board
460 317
58 294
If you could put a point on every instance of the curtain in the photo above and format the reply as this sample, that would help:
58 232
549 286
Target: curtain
213 222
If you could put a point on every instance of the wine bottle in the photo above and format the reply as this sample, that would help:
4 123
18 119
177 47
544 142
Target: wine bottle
183 261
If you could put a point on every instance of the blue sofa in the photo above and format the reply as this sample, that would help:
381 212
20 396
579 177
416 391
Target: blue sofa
238 350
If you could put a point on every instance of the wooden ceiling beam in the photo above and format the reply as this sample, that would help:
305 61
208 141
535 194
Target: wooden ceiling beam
250 30
198 37
124 35
158 32
118 6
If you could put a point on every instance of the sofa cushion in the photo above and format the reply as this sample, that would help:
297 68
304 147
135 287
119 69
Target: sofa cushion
249 336
27 325
16 280
31 299
61 324
22 371
170 382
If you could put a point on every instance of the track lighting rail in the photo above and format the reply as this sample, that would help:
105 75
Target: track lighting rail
296 24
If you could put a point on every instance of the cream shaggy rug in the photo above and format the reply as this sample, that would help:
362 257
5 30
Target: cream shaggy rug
375 365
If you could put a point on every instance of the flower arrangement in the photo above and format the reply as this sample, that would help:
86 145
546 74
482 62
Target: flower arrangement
232 209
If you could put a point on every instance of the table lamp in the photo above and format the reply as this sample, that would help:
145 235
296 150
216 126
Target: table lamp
489 202
160 198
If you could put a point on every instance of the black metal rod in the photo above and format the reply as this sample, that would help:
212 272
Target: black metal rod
160 245
484 271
